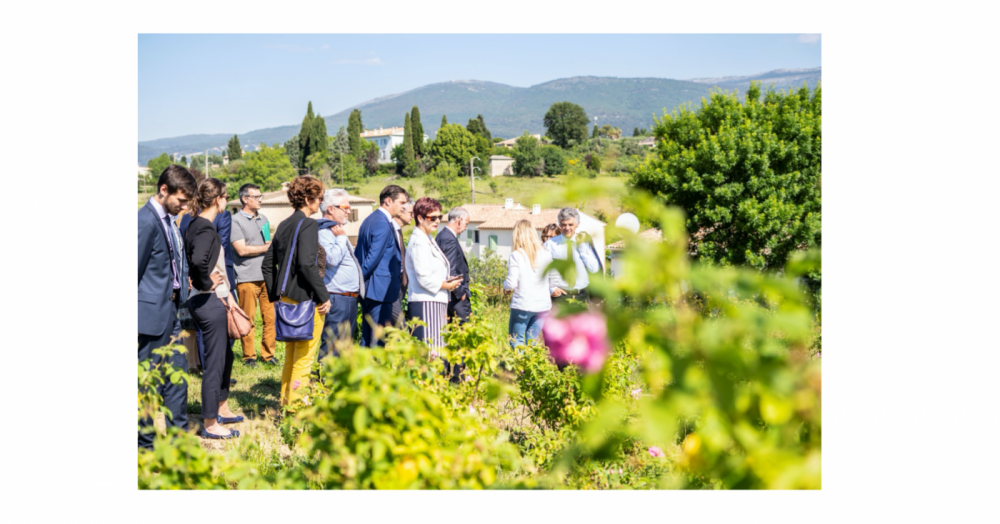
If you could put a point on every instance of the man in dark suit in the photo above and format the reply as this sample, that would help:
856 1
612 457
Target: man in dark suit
458 298
163 286
404 219
380 254
448 240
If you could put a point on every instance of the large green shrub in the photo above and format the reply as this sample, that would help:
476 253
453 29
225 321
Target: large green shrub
747 175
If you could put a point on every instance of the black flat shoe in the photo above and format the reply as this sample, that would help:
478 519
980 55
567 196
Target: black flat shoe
232 433
252 363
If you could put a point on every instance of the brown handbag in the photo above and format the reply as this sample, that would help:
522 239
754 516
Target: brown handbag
238 323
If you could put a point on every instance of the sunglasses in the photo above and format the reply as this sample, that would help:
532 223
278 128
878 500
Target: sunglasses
345 208
435 218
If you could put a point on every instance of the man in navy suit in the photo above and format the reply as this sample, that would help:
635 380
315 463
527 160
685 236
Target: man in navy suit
379 252
163 285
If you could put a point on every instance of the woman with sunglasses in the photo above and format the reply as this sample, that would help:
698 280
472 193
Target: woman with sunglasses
428 274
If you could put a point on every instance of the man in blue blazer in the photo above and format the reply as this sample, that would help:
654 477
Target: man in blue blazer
163 286
379 252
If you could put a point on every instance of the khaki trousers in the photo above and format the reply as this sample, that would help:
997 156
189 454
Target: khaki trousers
248 294
299 358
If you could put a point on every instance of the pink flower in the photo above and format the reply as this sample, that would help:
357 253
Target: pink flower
636 392
433 354
580 339
296 384
655 451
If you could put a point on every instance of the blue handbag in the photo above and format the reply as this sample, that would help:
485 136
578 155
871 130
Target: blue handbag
293 322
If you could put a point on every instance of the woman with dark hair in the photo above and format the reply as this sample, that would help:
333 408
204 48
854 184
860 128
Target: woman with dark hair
303 282
550 231
429 274
207 265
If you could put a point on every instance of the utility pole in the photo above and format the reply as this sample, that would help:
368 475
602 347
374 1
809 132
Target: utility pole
472 178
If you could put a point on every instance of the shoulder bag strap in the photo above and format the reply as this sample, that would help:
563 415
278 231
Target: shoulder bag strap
291 253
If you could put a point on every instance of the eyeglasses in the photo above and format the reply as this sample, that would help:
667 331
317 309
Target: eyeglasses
345 208
435 218
255 197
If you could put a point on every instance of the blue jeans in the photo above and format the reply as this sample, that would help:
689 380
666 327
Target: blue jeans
524 325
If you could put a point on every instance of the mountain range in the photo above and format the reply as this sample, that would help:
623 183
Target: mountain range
508 111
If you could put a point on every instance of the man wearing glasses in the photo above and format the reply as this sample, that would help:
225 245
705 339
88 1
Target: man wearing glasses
251 237
342 276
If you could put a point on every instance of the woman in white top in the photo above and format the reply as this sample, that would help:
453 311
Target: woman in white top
428 274
207 269
527 278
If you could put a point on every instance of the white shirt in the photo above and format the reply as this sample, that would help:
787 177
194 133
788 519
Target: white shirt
530 285
583 257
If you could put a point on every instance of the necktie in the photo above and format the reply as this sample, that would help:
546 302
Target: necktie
361 277
173 259
402 251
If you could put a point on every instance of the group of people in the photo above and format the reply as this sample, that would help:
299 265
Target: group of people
194 257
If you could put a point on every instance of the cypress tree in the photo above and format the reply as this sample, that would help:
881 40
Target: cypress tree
595 132
305 134
635 132
408 144
184 160
235 151
444 120
317 141
486 132
418 132
354 129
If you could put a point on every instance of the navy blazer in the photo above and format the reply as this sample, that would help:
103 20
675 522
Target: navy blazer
155 279
380 258
224 227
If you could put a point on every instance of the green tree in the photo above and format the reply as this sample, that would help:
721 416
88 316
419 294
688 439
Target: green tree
354 129
235 150
449 185
747 175
294 153
565 121
477 126
527 156
418 132
444 120
267 167
635 132
312 138
408 153
455 145
595 133
318 138
157 165
184 160
555 162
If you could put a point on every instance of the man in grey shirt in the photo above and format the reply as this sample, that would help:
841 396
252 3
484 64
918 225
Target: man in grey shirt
249 245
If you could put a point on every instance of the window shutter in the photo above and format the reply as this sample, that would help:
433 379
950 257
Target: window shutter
493 243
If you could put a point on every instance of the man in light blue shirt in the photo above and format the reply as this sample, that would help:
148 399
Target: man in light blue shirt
343 277
584 256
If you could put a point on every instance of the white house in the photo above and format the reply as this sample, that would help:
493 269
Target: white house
385 139
617 249
276 207
501 165
509 143
491 226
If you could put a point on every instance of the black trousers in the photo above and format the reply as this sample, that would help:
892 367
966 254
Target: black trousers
342 309
461 309
174 395
216 358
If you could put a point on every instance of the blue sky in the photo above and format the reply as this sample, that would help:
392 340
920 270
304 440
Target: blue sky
237 83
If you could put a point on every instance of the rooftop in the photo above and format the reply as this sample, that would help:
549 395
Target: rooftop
495 216
369 133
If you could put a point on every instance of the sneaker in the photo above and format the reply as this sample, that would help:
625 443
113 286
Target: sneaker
273 362
252 363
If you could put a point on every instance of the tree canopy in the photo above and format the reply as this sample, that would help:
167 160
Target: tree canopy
419 148
527 156
446 181
408 149
267 167
312 138
746 174
477 126
565 121
455 145
156 165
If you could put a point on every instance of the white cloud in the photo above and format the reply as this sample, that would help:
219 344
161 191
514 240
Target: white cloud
365 61
810 38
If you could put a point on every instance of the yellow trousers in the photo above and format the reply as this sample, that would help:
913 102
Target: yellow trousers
299 358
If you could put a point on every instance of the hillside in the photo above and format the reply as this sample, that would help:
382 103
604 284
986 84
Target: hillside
508 111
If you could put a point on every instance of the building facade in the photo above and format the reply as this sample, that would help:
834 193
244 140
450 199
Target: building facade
385 139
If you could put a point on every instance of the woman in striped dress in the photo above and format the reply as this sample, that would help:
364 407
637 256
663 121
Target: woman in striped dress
428 274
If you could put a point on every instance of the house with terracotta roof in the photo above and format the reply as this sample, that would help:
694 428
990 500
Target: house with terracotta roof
491 226
385 139
509 143
617 249
276 207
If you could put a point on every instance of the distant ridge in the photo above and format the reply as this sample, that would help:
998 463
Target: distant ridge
508 111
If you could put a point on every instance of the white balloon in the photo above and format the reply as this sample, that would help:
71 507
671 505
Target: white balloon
628 221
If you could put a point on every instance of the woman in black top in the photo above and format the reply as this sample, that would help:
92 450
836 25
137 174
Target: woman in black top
304 281
207 268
